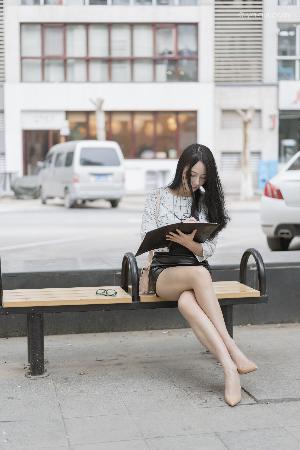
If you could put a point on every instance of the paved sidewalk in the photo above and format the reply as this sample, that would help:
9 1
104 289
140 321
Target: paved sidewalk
151 390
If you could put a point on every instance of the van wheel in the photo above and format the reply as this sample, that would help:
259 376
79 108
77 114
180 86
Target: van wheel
69 202
114 203
278 244
43 197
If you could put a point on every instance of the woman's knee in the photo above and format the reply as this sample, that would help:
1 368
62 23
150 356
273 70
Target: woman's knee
200 274
186 301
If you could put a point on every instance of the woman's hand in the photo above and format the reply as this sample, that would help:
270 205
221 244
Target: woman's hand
181 238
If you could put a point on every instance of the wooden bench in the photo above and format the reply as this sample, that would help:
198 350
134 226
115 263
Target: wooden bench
35 302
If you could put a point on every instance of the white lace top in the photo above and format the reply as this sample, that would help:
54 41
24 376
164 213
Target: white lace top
172 209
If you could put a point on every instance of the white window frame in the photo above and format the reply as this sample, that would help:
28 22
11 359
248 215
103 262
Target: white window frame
295 57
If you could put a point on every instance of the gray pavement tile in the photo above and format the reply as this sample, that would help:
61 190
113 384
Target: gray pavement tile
269 382
203 382
91 404
90 430
205 420
120 445
288 413
140 401
32 434
277 376
37 397
264 439
42 447
294 431
199 442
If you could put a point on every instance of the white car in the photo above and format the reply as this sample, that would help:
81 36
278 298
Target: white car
280 206
83 171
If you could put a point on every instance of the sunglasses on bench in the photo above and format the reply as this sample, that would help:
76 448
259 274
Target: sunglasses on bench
106 292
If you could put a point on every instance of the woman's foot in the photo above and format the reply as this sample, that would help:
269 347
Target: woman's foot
232 387
249 367
243 364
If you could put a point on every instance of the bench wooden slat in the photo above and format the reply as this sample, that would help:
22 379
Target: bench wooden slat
223 289
22 298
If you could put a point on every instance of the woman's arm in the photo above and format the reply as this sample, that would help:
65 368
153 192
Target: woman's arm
206 249
150 213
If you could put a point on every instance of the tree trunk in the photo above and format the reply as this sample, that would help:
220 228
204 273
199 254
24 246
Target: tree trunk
100 118
246 187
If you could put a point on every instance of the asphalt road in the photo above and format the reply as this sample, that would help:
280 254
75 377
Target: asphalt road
37 237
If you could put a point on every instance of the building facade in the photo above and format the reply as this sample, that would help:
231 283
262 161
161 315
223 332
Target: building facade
151 63
243 82
171 72
2 78
287 56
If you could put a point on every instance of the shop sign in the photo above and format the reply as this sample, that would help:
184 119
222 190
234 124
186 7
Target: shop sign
42 120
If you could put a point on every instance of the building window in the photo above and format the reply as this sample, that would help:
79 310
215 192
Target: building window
111 2
109 53
140 134
289 52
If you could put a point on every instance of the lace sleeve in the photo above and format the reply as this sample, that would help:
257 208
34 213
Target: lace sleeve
148 218
209 247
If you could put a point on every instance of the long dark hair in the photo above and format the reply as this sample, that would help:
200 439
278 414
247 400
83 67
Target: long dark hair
213 197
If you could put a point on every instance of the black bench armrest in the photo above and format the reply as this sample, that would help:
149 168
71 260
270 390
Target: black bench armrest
1 287
260 269
129 265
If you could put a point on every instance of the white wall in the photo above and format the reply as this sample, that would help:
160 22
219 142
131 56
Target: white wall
263 98
264 139
289 95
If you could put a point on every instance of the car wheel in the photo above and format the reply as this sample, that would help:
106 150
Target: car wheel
278 244
69 202
114 203
43 197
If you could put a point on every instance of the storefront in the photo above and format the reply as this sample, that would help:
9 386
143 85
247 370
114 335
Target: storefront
36 144
140 134
289 119
148 135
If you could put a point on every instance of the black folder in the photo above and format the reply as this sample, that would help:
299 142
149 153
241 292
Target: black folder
157 238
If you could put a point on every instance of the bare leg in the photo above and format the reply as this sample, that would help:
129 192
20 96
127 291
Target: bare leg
210 338
199 280
207 334
208 301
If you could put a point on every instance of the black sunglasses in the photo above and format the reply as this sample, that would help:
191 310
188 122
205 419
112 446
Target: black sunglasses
106 292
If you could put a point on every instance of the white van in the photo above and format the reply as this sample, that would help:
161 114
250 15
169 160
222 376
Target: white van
83 170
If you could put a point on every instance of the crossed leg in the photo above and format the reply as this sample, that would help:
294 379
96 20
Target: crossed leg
192 286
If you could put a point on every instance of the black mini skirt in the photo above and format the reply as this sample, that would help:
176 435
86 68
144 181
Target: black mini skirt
178 256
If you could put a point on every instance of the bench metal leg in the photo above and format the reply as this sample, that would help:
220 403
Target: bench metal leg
28 338
227 314
35 327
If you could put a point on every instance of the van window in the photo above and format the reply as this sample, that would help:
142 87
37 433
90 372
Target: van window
69 159
104 156
59 161
295 165
49 160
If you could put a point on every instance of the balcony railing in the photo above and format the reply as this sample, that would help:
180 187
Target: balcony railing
110 2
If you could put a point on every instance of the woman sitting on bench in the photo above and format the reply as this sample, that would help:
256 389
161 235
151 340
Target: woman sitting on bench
181 271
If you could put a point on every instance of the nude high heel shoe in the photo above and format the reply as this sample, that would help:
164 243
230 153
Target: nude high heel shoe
232 395
249 369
